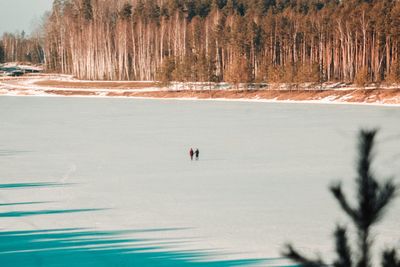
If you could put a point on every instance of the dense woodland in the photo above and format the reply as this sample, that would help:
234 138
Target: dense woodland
19 47
224 40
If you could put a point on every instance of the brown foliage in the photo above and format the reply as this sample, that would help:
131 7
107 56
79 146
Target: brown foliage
394 75
362 77
290 74
307 73
238 72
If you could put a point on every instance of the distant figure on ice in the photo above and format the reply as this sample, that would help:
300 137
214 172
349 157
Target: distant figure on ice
197 152
191 153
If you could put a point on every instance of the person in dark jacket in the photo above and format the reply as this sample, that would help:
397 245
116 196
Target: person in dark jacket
191 153
197 152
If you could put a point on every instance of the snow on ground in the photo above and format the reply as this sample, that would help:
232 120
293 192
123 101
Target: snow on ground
89 180
47 85
26 85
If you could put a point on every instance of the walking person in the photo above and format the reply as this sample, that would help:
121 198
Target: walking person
191 153
197 152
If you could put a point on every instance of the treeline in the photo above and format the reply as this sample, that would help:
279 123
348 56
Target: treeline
21 48
226 40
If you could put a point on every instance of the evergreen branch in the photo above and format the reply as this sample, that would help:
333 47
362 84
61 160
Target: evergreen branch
365 147
294 255
344 204
390 259
342 248
385 196
367 185
372 199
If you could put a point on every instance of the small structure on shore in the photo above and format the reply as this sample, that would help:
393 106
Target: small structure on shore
15 69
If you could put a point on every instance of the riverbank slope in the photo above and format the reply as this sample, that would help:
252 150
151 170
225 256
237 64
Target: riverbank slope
64 85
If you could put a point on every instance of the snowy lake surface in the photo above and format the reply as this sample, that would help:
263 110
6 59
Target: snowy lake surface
109 182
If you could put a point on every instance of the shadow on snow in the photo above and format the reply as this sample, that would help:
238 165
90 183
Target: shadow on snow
82 247
29 185
42 212
23 203
9 152
89 248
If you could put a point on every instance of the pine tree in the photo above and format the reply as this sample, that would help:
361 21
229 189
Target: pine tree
87 9
167 69
331 40
126 11
372 200
1 52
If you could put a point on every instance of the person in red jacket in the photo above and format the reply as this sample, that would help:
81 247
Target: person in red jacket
191 153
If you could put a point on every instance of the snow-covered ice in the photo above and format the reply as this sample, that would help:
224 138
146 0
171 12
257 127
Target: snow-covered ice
119 169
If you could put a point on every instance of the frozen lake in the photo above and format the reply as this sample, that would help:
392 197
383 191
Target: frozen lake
108 182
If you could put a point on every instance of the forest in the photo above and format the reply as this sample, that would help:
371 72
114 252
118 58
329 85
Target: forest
237 41
22 48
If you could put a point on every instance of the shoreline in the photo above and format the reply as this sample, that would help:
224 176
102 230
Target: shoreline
36 86
270 101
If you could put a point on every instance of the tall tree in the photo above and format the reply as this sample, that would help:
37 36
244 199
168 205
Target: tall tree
129 40
1 52
373 198
87 9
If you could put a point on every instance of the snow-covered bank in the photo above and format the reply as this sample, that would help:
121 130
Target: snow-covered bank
332 93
